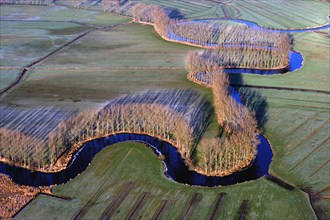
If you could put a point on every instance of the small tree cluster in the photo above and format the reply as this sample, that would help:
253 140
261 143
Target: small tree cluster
251 56
196 32
237 57
211 33
155 14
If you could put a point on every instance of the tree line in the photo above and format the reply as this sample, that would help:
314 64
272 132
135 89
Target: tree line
211 32
238 143
232 46
238 57
165 114
22 149
235 148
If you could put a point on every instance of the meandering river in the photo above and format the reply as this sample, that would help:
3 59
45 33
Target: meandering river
174 167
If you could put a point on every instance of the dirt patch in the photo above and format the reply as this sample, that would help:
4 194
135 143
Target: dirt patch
13 197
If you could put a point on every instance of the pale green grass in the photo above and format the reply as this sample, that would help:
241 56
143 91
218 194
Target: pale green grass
7 77
108 64
130 45
298 129
121 163
22 43
59 13
315 71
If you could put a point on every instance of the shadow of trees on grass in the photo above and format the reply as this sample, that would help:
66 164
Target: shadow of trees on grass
252 99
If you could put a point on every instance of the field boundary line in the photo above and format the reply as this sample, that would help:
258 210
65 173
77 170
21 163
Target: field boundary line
216 206
280 182
284 121
307 137
318 169
10 67
242 210
109 210
190 209
280 88
302 124
315 149
160 210
44 58
322 190
138 205
298 100
40 60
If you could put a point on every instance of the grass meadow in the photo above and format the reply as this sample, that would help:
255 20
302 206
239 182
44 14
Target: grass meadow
99 189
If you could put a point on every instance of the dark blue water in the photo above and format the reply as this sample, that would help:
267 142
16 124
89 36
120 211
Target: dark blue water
295 62
295 58
176 169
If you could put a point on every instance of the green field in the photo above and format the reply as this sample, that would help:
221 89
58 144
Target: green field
30 34
129 58
101 186
108 64
23 43
60 13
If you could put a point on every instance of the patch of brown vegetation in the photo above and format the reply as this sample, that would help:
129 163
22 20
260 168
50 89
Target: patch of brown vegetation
13 197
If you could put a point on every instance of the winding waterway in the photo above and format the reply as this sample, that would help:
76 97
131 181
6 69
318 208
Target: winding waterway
295 58
174 167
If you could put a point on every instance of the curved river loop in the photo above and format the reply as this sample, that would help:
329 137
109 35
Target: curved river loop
174 166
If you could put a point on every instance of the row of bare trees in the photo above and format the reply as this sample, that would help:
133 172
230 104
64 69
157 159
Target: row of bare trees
22 149
177 116
197 32
155 14
236 146
247 58
207 32
233 46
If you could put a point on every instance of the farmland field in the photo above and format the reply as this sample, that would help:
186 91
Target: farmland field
117 60
129 58
115 167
